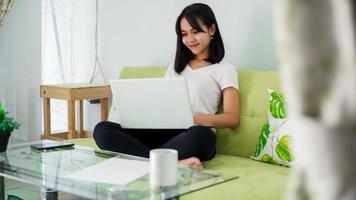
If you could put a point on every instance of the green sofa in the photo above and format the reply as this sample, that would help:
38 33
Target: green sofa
256 180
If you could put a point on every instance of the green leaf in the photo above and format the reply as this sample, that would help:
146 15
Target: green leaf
2 113
262 139
283 150
268 159
7 124
277 105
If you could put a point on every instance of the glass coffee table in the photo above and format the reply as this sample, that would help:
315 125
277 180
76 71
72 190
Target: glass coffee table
49 170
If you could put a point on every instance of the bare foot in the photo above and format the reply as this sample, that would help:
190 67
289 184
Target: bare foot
192 162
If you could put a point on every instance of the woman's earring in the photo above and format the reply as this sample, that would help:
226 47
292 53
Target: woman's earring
211 37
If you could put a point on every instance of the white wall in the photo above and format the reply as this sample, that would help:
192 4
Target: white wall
142 33
20 66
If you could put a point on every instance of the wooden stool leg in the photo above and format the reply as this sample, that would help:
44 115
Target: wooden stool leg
81 120
71 119
104 109
46 117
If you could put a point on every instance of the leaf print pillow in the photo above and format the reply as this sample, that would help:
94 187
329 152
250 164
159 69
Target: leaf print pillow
275 142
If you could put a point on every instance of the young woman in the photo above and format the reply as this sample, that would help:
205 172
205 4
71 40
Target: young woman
199 52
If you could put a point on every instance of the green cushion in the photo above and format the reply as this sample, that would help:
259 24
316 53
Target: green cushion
254 105
253 96
274 145
241 140
256 180
87 142
142 72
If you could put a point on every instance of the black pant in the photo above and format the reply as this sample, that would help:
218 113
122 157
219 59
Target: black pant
198 141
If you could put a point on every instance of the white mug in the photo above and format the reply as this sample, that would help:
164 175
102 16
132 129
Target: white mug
163 167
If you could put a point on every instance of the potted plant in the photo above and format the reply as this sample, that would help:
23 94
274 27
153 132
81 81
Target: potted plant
7 125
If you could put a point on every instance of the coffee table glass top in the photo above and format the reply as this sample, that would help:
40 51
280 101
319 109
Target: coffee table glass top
50 170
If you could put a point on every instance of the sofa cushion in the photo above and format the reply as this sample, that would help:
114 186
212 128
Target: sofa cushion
86 142
241 140
256 180
142 72
275 140
254 105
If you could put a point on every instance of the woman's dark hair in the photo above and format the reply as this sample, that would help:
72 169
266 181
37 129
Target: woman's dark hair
192 13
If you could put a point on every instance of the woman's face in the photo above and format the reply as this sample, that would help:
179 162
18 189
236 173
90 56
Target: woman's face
197 42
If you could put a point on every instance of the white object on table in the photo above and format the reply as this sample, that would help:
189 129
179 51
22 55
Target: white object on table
163 167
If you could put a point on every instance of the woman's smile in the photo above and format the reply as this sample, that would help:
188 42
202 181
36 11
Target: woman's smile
192 46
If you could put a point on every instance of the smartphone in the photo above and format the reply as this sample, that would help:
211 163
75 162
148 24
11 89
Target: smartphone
51 145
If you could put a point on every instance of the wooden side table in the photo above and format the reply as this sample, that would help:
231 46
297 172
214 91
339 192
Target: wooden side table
72 93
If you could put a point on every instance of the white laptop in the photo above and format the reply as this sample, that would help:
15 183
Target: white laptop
152 103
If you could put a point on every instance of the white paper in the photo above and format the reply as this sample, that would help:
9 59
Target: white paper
115 170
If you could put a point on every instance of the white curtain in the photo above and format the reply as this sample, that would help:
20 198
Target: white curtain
5 6
68 48
31 56
57 54
68 40
20 67
316 40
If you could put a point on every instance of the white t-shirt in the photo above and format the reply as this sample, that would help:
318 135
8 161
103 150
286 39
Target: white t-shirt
205 85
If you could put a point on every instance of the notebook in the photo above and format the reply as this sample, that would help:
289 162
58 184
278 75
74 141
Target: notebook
152 103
